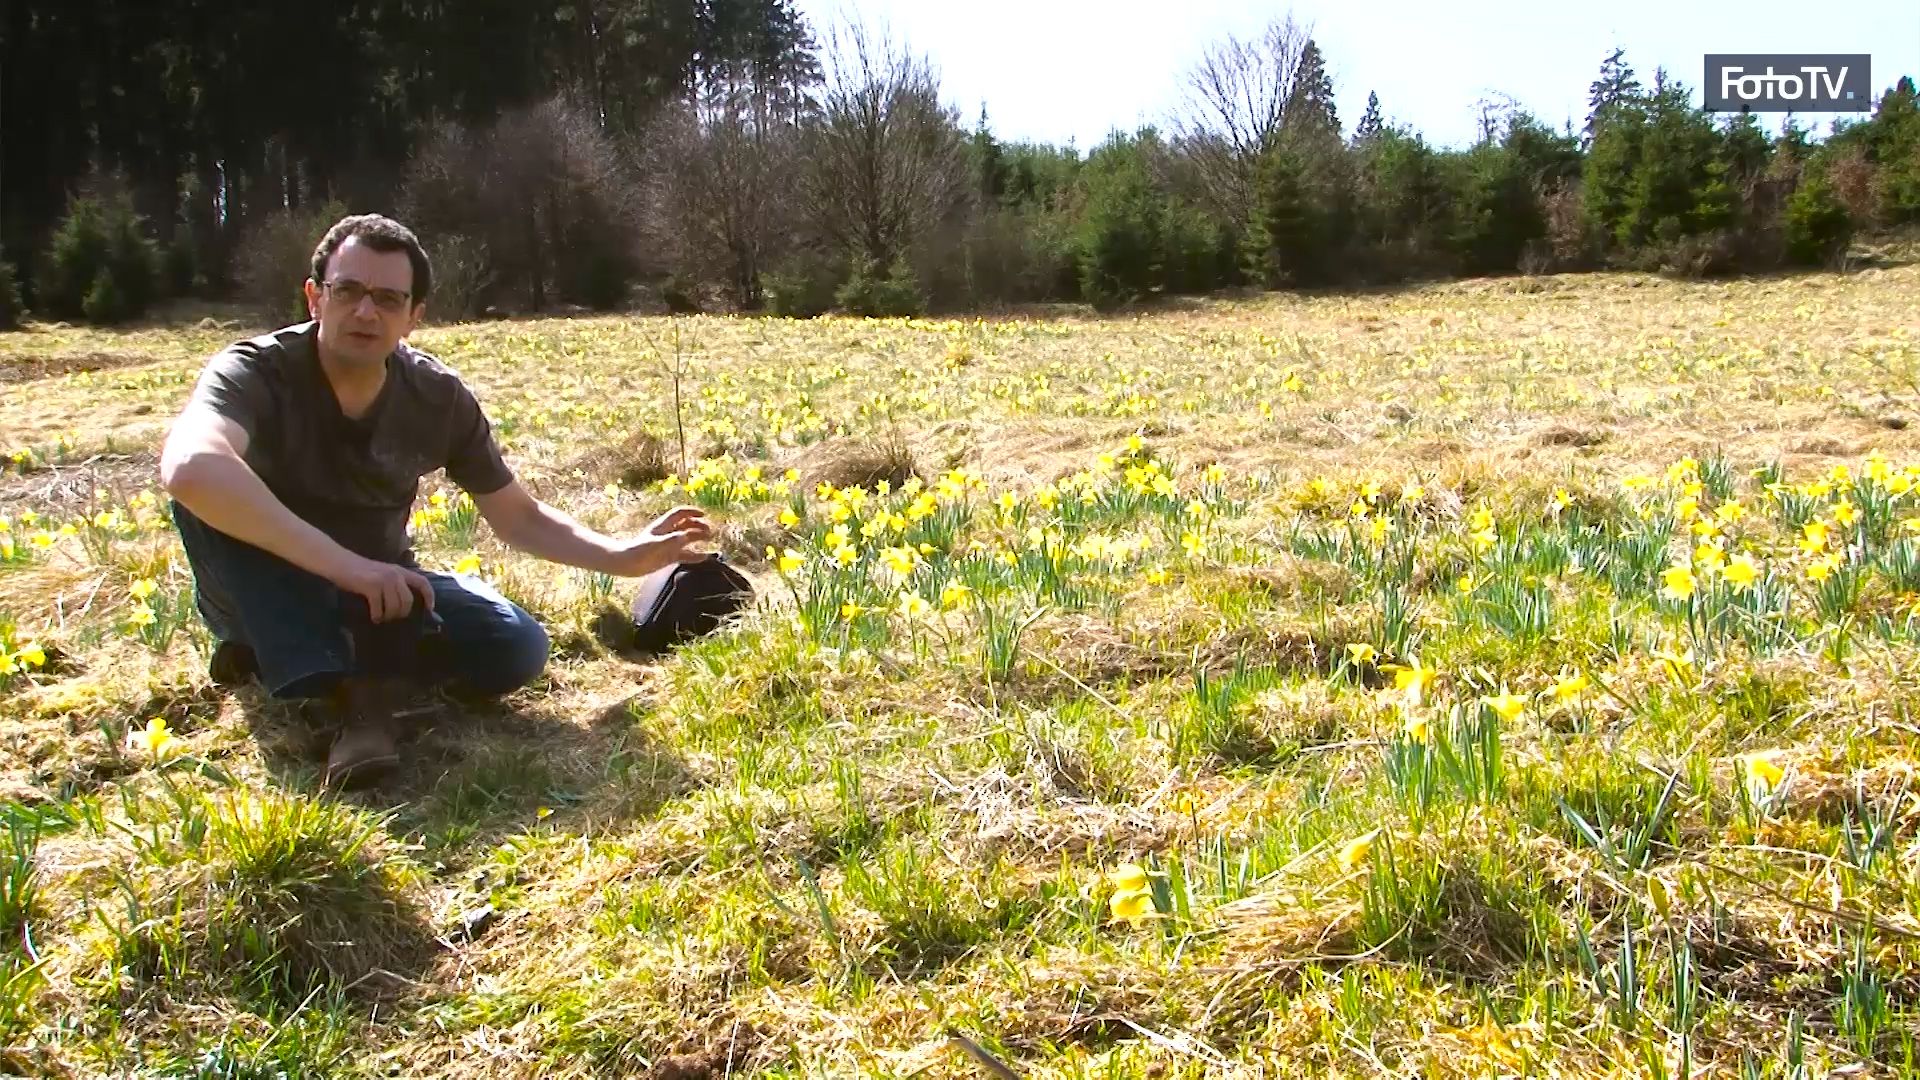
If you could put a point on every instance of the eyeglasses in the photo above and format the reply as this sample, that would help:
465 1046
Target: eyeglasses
350 293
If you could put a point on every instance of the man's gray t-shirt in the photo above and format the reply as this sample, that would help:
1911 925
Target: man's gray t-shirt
355 480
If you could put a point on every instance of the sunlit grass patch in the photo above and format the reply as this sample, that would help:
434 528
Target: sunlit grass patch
265 896
1461 681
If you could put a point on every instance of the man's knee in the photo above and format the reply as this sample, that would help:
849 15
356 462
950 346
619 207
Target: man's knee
513 656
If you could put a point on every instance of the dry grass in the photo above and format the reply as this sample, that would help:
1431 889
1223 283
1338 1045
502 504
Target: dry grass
883 843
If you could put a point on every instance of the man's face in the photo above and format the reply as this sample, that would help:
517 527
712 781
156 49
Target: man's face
365 305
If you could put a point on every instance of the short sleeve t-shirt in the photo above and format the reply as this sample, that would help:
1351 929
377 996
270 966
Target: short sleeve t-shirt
355 480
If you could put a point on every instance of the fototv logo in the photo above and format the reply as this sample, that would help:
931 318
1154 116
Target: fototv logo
1788 82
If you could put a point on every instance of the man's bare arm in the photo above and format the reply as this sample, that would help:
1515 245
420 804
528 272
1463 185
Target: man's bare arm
204 468
527 524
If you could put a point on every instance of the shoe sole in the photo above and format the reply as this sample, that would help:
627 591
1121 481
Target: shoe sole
364 773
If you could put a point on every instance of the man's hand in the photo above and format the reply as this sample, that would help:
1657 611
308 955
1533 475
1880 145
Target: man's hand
388 589
668 540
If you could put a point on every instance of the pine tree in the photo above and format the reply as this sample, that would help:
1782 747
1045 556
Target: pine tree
1817 226
1309 105
1282 240
989 163
1370 123
1616 89
1744 149
1894 142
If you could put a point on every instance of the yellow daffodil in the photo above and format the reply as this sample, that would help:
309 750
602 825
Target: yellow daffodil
1355 851
1658 897
788 561
1673 662
1761 769
1132 908
1813 537
1157 576
901 560
913 606
1740 572
1416 728
955 594
154 740
1822 568
851 611
1412 680
1127 877
1505 705
1845 514
142 616
1362 653
469 565
788 519
1568 688
1679 582
142 588
1710 557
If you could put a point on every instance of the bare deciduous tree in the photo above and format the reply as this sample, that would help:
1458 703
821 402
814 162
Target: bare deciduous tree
883 161
546 192
1234 107
718 169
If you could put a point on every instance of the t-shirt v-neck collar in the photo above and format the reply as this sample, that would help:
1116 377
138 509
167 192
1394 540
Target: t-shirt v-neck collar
367 421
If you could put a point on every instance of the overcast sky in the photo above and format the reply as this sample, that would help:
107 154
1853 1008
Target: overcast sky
1054 70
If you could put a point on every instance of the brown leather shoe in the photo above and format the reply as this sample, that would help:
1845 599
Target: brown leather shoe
364 751
363 754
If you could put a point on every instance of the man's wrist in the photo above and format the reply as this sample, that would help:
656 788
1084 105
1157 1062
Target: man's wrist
336 563
638 558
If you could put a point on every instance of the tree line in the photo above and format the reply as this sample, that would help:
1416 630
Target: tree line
721 153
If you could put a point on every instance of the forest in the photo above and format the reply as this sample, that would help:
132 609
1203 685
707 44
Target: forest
726 155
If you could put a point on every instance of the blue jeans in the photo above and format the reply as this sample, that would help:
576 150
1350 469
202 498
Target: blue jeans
307 633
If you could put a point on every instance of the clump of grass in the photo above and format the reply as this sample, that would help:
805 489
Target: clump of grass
267 895
859 462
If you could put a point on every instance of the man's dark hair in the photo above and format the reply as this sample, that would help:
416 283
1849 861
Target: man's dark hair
381 233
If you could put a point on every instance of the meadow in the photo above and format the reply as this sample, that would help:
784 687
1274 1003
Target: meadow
1500 677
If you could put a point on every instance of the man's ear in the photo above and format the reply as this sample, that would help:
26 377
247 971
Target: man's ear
413 320
313 298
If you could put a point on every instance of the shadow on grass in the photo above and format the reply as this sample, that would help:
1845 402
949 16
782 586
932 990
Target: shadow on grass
475 771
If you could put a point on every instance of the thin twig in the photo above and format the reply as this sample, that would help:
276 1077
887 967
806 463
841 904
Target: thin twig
1832 913
981 1057
1088 690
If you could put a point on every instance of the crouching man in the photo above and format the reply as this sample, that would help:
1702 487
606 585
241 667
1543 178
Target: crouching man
293 470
